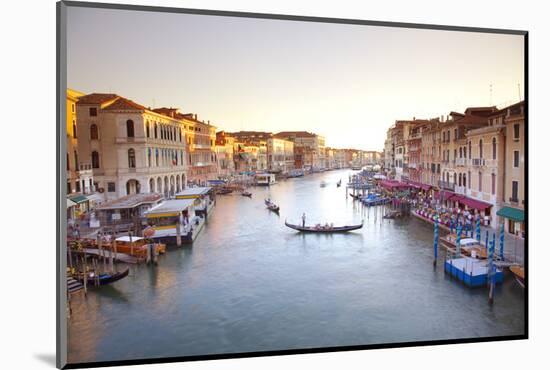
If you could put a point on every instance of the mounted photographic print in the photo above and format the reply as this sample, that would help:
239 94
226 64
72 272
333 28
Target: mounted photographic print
237 184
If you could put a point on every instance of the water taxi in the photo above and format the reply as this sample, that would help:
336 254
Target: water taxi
188 213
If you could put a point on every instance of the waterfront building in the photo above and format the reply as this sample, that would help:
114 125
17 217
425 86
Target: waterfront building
130 148
246 157
512 211
482 175
431 153
414 142
201 145
400 134
224 154
330 162
280 155
389 153
254 142
454 147
340 158
79 175
309 149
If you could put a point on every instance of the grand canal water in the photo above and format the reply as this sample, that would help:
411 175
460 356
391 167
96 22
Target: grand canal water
251 284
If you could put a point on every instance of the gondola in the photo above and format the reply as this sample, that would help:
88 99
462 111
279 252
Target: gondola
324 229
339 183
105 278
271 206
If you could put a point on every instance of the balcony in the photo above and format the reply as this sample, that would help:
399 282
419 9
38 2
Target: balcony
461 162
129 140
201 146
84 169
446 185
201 164
478 162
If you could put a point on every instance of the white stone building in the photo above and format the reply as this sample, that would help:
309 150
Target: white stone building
130 148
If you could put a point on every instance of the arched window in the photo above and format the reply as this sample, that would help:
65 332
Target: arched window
68 163
130 128
94 135
469 152
454 178
147 129
95 159
74 129
131 158
480 148
494 148
460 152
156 131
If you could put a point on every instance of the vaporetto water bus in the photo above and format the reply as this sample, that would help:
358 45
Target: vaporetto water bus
188 213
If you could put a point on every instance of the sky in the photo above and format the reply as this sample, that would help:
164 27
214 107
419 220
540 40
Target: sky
349 83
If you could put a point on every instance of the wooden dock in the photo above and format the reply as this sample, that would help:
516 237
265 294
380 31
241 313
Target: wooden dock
119 257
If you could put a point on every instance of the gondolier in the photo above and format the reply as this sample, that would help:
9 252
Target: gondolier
304 220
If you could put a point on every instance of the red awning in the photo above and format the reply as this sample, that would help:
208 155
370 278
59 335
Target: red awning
443 194
419 185
474 203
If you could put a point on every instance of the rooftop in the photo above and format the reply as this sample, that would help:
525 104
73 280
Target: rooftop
131 201
96 98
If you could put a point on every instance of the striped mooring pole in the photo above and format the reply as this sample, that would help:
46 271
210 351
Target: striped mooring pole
436 240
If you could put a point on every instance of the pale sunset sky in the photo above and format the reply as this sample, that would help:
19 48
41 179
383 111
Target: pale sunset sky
348 83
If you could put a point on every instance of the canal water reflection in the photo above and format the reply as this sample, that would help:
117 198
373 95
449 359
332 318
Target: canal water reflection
251 284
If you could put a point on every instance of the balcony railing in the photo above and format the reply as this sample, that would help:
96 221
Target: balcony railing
446 185
461 162
478 162
129 140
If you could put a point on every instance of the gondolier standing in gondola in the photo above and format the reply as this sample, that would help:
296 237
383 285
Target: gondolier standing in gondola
304 220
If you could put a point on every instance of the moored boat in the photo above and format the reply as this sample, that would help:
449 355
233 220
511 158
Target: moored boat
339 183
246 194
103 278
327 228
519 274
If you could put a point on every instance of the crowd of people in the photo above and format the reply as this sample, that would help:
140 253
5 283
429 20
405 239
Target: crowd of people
447 215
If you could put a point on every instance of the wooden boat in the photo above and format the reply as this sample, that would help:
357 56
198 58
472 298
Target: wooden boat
137 246
323 184
519 274
224 191
339 183
324 228
246 194
104 278
468 246
272 206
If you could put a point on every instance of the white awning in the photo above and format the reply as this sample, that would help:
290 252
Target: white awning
70 203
